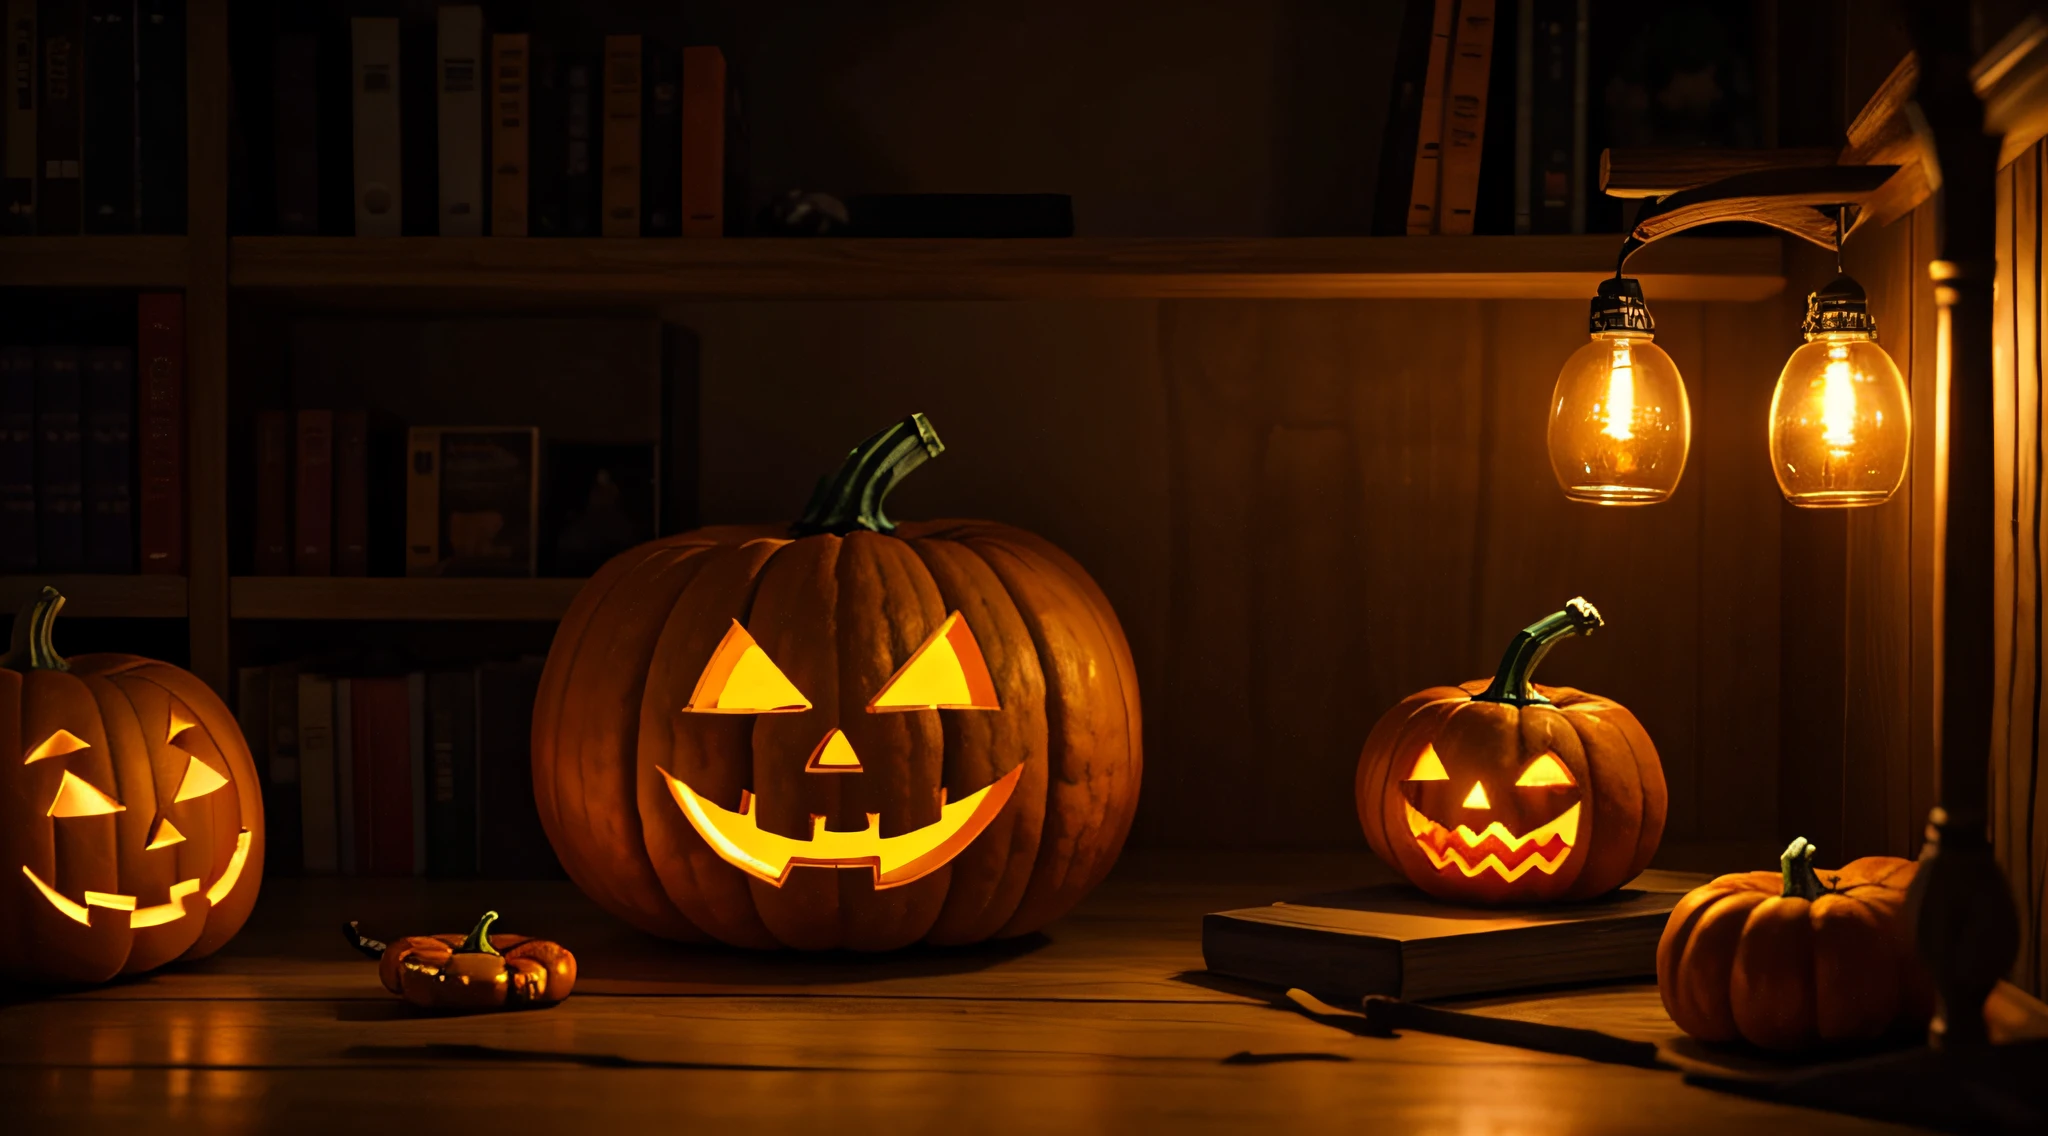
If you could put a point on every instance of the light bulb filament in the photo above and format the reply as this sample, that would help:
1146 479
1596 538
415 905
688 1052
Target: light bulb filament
1838 401
1621 395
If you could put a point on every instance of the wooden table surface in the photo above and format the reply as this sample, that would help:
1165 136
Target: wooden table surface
1105 1023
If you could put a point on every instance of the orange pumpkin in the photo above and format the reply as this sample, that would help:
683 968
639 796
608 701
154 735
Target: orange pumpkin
853 735
1792 959
131 822
1508 792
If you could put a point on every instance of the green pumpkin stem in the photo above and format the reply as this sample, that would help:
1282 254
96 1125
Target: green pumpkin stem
33 648
1797 866
851 500
479 941
1514 682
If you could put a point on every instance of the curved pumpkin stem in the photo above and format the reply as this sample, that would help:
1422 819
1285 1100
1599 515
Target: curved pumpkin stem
33 648
479 941
1797 865
851 499
1514 682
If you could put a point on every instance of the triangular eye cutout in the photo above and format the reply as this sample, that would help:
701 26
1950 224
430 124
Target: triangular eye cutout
77 798
947 673
1545 770
200 779
1429 767
741 679
57 745
180 722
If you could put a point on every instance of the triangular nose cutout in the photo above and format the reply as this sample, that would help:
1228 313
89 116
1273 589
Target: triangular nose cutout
1476 799
833 755
167 834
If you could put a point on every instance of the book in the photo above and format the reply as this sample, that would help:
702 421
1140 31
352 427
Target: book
381 751
272 555
295 117
511 72
547 141
60 461
59 118
584 104
1553 180
252 717
109 439
107 136
510 841
349 790
18 172
313 494
602 499
704 117
1464 133
621 140
471 501
1525 115
318 804
160 451
1404 120
458 79
286 845
661 143
378 188
160 116
1429 131
416 769
351 493
451 779
17 459
1392 939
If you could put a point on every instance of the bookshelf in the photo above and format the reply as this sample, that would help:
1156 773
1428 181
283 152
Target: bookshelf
102 597
367 597
94 262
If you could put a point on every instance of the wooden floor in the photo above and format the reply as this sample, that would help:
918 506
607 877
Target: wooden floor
1104 1024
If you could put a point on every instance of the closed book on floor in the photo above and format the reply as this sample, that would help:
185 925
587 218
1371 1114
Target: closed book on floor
18 169
378 187
160 450
107 161
511 80
313 494
621 141
109 456
458 79
160 115
319 808
1394 940
272 555
17 459
60 461
59 117
704 91
1465 116
451 787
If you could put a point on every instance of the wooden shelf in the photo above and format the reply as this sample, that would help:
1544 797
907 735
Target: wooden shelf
92 262
487 269
422 598
103 597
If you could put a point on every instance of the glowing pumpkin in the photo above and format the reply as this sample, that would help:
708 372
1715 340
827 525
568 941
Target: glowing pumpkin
1508 792
859 735
133 826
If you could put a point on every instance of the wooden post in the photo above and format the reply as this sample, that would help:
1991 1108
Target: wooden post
206 340
1962 908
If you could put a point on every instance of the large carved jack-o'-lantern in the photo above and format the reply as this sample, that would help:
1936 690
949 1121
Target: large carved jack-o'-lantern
1509 792
131 822
862 735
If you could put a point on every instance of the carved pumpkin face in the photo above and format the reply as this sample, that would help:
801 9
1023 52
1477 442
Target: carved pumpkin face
1509 792
133 820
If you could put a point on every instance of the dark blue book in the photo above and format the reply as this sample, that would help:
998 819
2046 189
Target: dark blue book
17 459
661 142
451 774
160 115
109 496
60 462
58 117
108 163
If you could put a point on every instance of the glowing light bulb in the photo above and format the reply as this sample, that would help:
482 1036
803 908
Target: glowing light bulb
1620 423
1841 417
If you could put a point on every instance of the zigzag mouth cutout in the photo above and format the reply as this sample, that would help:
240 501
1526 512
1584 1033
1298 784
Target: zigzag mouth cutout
1496 849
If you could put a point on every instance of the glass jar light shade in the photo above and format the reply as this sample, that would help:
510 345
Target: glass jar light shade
1841 422
1619 421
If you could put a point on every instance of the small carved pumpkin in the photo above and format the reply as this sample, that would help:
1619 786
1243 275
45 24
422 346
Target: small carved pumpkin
860 735
131 822
1791 959
1509 792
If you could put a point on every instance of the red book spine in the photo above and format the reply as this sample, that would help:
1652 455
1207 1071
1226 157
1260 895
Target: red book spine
313 534
703 142
160 347
273 494
382 710
351 493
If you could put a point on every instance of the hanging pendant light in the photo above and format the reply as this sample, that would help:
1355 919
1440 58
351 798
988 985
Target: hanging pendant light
1620 424
1841 418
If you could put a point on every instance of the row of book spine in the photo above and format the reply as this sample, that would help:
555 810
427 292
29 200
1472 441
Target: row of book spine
81 488
419 774
312 493
95 117
533 141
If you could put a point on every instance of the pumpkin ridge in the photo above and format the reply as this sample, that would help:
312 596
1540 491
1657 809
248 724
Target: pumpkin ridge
118 711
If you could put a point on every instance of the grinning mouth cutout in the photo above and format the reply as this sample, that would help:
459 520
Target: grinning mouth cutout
155 915
1496 849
